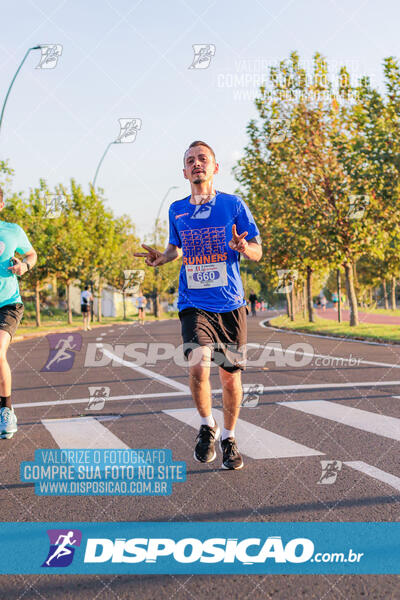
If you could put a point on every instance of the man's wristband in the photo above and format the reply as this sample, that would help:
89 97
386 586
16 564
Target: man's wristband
28 266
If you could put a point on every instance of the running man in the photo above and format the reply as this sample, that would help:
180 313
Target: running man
62 549
12 239
210 230
63 345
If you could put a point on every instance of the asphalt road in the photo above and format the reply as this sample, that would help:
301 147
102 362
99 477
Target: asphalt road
280 478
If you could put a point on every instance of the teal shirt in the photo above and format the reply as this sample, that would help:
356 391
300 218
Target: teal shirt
12 239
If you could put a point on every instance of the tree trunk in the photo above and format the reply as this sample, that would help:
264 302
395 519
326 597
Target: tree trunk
99 307
156 303
292 301
351 294
310 308
69 307
304 299
339 293
385 294
394 293
37 304
124 303
288 309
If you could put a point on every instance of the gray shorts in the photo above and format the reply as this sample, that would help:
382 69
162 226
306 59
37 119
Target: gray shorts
10 317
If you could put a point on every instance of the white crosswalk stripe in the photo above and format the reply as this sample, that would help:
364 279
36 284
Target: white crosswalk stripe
253 441
82 432
375 473
347 415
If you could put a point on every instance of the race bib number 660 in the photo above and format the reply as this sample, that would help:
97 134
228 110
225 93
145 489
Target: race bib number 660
206 276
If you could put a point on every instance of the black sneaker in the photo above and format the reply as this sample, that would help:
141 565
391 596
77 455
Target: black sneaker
231 458
205 448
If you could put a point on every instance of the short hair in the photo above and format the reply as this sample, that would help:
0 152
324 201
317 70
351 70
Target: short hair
86 287
199 143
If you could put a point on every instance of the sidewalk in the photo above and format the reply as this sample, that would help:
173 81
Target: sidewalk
331 314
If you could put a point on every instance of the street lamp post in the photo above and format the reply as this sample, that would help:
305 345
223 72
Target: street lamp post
156 300
173 187
101 161
12 81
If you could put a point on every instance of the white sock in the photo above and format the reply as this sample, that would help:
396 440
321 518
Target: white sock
208 420
227 433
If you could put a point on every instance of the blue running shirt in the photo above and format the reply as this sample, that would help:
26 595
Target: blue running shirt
210 276
12 239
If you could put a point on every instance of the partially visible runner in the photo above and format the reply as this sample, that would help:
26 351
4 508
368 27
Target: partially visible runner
210 230
12 239
86 308
141 304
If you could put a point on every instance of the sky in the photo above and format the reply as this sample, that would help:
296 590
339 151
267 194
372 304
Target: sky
125 59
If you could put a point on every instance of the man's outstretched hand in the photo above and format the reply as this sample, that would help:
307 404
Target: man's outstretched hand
238 242
153 257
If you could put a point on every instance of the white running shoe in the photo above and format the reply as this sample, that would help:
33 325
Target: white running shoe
8 422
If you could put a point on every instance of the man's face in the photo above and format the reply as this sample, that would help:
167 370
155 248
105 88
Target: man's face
200 165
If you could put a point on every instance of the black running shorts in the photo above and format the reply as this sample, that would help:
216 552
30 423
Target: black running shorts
10 317
225 333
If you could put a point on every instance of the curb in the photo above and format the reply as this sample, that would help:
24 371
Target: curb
332 336
28 336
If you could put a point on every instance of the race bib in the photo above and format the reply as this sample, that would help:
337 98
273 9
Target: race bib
206 276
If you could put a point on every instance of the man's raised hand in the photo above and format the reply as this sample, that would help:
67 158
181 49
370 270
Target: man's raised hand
238 242
153 257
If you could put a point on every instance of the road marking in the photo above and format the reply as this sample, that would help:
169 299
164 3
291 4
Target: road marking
166 380
82 432
253 441
217 392
376 473
313 355
110 399
327 386
347 415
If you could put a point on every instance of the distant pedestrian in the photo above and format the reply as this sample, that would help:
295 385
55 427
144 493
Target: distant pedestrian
253 300
86 300
141 304
323 302
335 300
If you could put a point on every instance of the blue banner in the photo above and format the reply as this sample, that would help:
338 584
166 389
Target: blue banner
200 548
